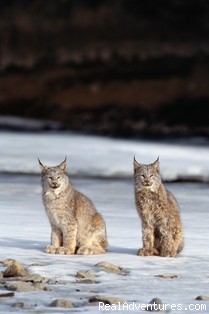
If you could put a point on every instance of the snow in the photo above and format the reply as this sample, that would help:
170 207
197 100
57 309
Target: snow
98 156
25 230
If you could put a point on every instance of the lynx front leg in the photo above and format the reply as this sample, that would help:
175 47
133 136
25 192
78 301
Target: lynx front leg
69 232
56 241
148 242
169 248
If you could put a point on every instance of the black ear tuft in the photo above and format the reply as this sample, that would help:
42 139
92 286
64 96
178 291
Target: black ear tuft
43 167
156 165
136 163
63 165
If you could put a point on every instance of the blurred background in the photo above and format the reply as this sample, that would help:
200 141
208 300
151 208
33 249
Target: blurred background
115 67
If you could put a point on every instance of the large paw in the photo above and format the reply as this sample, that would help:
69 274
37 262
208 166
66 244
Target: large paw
148 252
50 249
85 250
64 251
166 253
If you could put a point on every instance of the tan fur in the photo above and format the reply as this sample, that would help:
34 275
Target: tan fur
76 225
162 230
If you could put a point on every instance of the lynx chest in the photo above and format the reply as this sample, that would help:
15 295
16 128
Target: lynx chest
148 205
54 202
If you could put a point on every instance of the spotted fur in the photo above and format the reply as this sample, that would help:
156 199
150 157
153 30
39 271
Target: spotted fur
76 226
162 230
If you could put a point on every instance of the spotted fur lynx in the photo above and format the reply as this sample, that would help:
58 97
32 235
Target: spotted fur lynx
76 226
162 231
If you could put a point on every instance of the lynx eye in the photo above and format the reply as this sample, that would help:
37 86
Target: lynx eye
50 178
142 175
151 175
58 178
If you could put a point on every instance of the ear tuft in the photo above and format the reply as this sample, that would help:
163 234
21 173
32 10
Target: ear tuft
43 167
136 164
156 165
63 165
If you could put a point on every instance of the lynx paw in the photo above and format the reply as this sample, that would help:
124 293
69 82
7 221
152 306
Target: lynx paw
64 251
50 249
85 250
147 252
165 253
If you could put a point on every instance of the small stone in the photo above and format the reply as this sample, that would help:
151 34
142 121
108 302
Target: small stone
22 286
7 261
202 298
39 286
106 300
15 269
18 305
86 280
51 281
111 268
21 305
2 280
155 305
85 274
34 278
170 276
61 303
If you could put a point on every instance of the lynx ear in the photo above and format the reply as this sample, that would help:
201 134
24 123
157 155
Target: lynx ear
43 167
156 165
63 165
136 164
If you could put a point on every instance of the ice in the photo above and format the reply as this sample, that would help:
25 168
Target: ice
25 229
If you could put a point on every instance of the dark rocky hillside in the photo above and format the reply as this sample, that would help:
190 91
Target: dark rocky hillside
116 67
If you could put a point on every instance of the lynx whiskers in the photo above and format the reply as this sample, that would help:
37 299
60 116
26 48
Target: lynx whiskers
76 226
162 230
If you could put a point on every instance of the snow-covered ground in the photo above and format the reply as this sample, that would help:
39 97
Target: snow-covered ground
25 231
102 157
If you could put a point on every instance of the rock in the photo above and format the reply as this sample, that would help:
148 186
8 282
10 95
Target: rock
85 274
155 305
21 305
7 261
170 276
39 286
61 303
18 305
106 300
2 280
15 269
35 278
51 281
202 298
86 280
22 286
7 295
111 268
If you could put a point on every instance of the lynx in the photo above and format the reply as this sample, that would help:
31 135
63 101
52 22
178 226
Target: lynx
76 226
162 231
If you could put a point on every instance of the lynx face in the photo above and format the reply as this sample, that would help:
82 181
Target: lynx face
55 178
147 176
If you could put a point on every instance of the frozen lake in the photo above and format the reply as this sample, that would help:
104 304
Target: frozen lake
102 169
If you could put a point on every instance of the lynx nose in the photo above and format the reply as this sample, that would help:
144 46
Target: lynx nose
54 184
147 182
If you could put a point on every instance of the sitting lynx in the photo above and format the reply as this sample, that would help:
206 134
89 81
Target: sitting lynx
162 231
76 225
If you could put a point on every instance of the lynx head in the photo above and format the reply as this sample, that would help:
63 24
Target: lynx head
54 178
147 176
